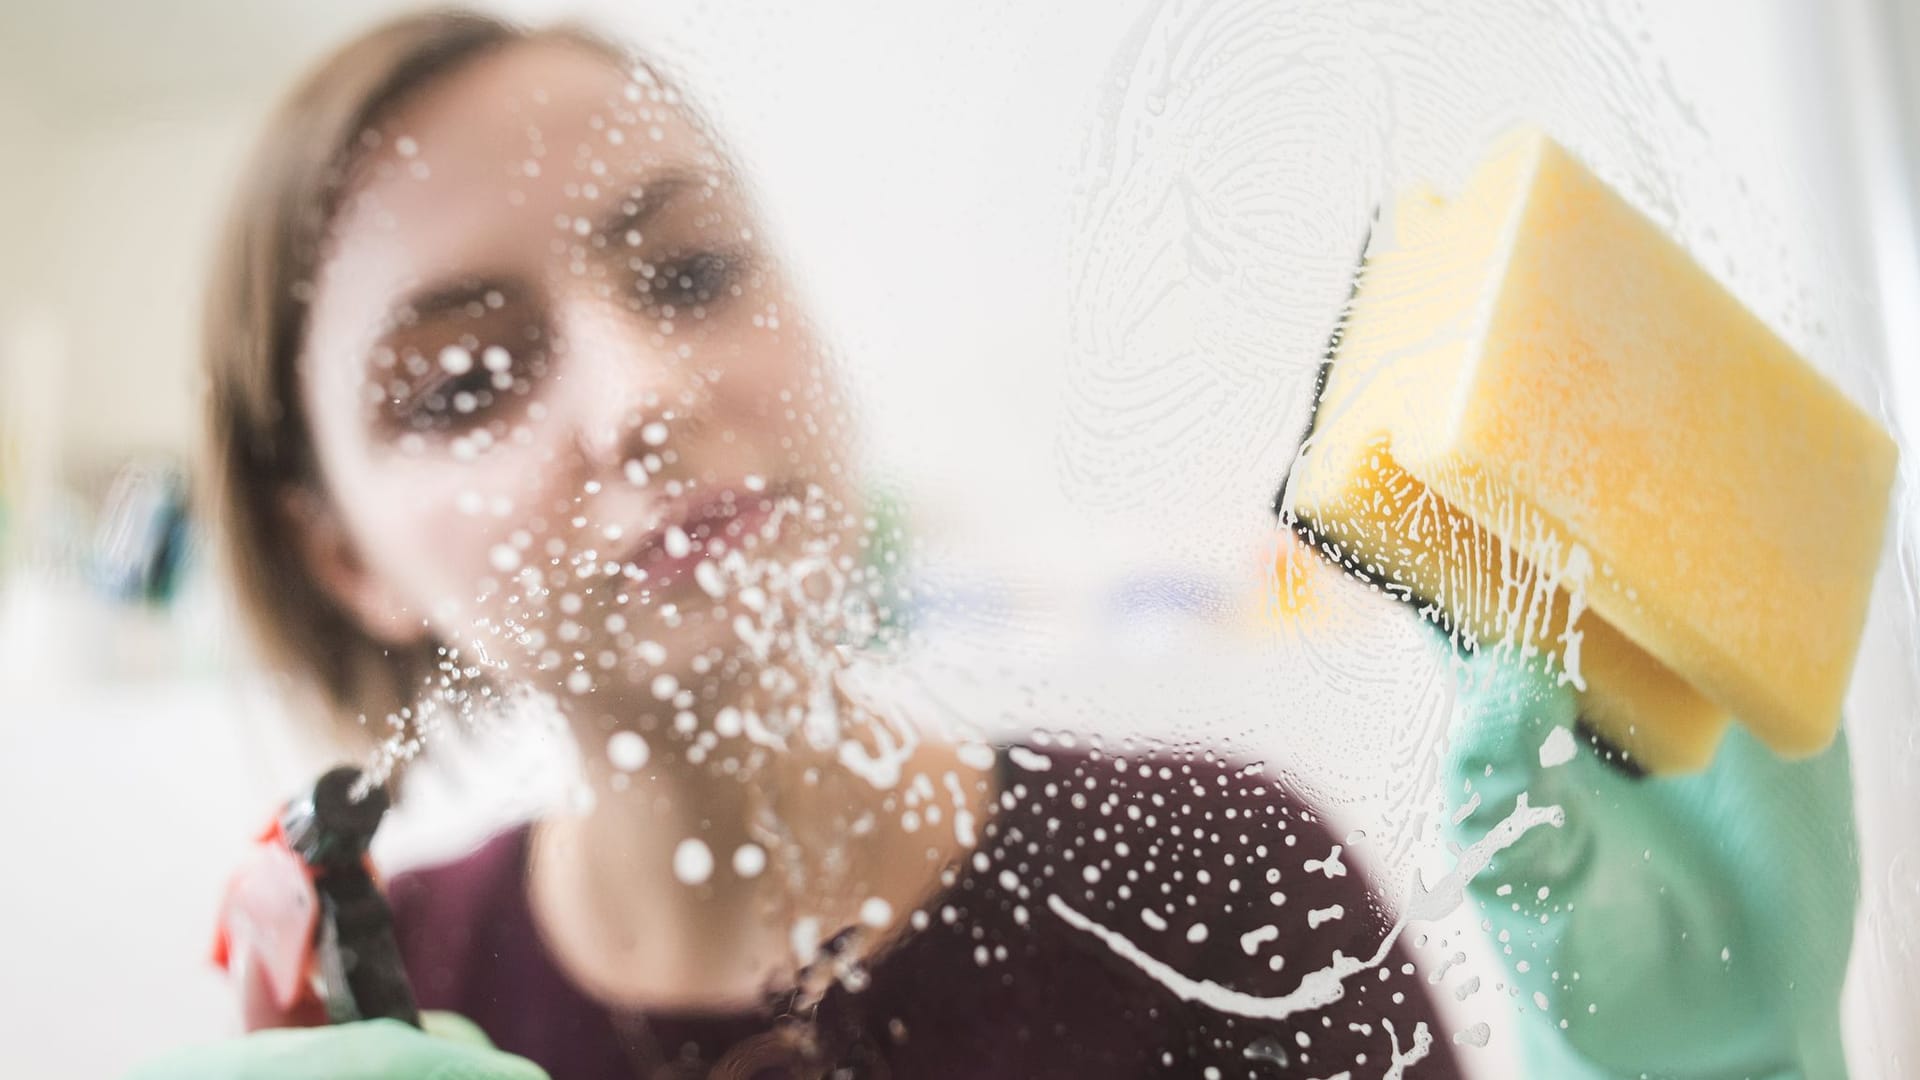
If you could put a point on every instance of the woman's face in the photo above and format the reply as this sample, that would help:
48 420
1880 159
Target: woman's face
551 372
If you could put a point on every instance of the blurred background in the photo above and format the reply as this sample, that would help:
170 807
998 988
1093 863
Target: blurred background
973 195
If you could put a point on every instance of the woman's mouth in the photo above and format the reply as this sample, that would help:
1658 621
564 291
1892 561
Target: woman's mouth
689 531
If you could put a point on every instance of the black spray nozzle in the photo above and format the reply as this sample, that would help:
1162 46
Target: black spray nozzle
332 826
359 962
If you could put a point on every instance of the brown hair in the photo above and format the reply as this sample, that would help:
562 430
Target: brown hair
259 447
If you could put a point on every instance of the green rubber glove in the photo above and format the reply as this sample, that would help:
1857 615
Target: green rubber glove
1691 926
450 1049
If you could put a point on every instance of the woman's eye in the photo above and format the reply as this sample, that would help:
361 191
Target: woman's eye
451 398
698 279
459 386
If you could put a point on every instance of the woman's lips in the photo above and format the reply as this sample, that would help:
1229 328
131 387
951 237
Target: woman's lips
685 533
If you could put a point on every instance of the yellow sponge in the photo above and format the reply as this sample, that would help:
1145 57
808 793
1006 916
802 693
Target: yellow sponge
1543 417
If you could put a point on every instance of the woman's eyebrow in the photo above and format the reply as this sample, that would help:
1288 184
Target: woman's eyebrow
644 200
451 298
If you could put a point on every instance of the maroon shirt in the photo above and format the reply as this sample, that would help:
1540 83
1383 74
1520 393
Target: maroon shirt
998 982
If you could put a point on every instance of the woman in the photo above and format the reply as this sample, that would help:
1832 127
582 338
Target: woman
507 395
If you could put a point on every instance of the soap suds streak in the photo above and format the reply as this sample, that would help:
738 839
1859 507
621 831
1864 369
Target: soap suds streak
1321 916
1316 990
1251 941
1320 988
1422 1042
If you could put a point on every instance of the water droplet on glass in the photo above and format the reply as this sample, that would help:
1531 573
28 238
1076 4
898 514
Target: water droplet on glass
692 861
749 860
504 558
875 912
627 750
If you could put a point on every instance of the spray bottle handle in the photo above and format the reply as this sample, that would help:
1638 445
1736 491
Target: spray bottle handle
304 926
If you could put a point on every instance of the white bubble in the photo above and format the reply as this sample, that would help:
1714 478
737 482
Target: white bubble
710 580
579 682
636 473
655 654
1197 933
677 543
494 358
627 750
749 860
456 360
805 939
1558 749
504 558
654 434
664 685
405 146
692 861
728 722
875 912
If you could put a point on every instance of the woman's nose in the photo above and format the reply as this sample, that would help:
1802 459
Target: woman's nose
627 388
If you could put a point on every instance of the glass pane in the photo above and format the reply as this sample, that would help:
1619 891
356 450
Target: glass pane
1173 538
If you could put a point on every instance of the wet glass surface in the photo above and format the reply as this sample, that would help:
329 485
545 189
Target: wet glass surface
1192 539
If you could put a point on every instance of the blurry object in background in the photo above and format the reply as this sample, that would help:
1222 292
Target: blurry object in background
31 362
144 536
9 484
98 583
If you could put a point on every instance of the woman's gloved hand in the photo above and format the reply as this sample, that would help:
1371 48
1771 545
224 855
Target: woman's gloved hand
1673 926
451 1048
